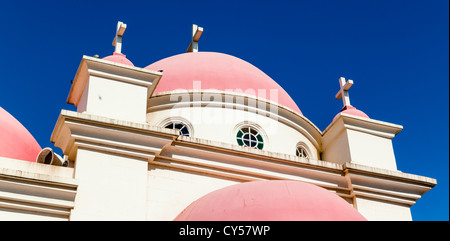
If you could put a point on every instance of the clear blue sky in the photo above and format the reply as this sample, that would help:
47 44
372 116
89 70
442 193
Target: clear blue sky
397 53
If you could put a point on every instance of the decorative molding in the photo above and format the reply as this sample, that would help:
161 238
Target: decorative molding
159 146
41 194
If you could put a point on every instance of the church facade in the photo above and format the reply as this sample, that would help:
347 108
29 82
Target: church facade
200 136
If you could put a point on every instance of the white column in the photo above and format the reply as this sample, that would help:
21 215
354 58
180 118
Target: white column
111 187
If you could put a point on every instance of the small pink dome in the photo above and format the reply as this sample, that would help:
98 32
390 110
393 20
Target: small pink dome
270 201
217 71
119 58
15 140
350 110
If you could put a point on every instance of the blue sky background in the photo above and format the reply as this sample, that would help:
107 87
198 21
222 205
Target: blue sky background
397 53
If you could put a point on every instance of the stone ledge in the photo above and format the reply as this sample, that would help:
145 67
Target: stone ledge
17 169
385 172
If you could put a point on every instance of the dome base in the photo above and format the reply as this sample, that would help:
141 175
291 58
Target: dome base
270 201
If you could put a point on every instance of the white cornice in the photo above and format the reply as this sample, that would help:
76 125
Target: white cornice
111 70
394 175
37 188
81 130
88 119
374 127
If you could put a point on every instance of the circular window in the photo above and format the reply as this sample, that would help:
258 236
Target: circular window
182 128
301 152
250 137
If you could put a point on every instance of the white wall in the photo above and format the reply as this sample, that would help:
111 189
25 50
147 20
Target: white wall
111 186
337 150
23 215
114 99
375 210
171 191
371 150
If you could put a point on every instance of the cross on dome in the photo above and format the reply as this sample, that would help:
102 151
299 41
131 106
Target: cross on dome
343 92
117 42
196 33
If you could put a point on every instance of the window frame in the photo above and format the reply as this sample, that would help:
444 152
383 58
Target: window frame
255 138
304 150
178 121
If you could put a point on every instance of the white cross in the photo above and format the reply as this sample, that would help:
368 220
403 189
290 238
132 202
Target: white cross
118 38
343 92
196 33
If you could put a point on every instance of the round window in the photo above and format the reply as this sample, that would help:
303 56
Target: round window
250 137
182 128
301 152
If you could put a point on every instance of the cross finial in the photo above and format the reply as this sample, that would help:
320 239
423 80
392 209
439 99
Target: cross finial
117 42
196 33
343 92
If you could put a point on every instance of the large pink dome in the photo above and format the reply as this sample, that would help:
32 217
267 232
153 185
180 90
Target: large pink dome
15 140
270 201
216 71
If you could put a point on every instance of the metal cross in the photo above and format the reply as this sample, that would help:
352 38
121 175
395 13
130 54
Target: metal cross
117 42
343 92
196 33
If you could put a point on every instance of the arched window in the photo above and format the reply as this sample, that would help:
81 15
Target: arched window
301 152
250 137
182 128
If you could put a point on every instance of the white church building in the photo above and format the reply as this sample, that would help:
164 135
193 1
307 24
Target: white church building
200 136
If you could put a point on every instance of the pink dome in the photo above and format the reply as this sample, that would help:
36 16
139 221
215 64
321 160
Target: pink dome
350 110
15 140
217 71
119 58
270 201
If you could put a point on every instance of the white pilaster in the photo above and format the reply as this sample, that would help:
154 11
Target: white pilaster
112 90
360 140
